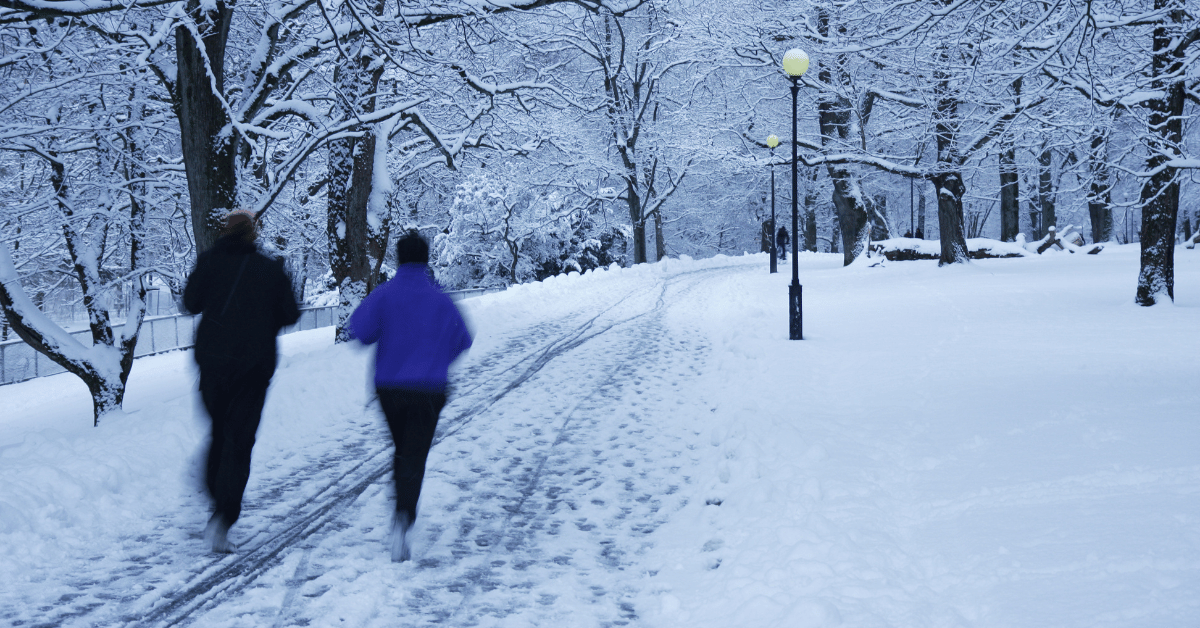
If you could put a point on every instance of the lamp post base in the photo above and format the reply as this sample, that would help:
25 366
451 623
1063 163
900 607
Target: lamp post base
774 264
796 310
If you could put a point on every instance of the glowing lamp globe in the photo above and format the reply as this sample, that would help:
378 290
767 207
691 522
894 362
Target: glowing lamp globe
772 141
795 62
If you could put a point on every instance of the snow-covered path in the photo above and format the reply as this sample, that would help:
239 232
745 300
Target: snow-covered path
540 491
539 494
1009 443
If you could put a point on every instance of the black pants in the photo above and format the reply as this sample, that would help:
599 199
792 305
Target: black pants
234 400
412 415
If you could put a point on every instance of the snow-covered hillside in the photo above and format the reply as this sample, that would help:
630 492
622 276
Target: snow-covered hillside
1006 443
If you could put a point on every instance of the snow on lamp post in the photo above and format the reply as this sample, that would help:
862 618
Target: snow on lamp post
795 64
772 142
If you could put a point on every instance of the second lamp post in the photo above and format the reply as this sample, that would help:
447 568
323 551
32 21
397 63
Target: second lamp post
772 142
795 64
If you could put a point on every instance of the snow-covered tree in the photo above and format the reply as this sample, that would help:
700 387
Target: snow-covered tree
98 161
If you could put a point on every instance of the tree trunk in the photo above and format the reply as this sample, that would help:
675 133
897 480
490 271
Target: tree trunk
950 191
1160 192
853 222
1010 196
948 182
834 115
209 147
636 218
920 234
1046 189
852 216
351 170
810 212
1010 203
1100 198
659 244
880 229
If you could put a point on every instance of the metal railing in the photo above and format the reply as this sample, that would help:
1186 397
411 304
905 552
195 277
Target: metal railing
20 362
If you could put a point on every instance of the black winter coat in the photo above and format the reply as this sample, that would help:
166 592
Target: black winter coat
245 298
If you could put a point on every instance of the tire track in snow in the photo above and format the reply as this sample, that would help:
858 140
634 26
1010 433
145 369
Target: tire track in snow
226 576
522 511
340 476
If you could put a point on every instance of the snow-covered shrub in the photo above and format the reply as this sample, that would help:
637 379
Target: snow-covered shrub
502 233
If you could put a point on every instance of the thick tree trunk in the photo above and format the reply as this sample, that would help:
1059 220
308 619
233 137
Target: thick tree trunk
341 231
208 146
1160 192
634 202
853 221
950 191
852 216
1010 196
949 181
351 171
834 116
639 242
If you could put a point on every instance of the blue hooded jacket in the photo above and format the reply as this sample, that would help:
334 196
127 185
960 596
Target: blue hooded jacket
419 330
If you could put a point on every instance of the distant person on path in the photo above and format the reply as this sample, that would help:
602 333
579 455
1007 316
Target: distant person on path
781 242
244 298
420 332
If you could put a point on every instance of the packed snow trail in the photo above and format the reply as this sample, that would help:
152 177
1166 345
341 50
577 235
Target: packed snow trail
563 442
562 488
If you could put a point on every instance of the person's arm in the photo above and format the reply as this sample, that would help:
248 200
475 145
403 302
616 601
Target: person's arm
196 287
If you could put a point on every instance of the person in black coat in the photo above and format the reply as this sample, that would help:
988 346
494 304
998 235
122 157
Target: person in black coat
781 242
244 298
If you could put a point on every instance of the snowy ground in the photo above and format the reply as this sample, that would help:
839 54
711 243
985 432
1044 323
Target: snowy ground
1011 443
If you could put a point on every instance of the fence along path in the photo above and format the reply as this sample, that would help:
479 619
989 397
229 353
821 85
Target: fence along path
19 362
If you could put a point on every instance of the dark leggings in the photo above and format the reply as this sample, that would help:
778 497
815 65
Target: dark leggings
412 416
234 403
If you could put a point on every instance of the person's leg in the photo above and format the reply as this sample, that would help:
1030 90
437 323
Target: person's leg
411 455
214 392
412 418
245 405
395 412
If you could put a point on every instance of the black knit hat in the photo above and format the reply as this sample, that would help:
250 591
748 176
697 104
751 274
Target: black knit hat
412 249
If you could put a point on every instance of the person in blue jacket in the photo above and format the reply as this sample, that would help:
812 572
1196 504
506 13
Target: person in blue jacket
420 332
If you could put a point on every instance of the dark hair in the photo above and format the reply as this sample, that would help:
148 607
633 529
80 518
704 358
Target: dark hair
412 249
240 225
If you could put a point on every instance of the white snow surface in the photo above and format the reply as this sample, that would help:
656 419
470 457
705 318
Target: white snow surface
1005 443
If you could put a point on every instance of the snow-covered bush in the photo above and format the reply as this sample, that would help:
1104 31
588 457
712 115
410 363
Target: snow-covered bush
502 233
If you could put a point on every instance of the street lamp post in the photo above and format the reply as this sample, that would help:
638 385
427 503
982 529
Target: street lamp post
795 64
772 142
